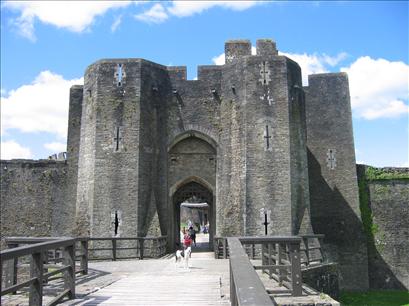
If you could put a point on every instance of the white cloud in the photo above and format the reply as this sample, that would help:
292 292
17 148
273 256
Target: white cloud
219 60
156 14
310 64
314 63
41 106
116 23
159 13
56 147
75 16
11 149
189 8
25 26
334 60
378 88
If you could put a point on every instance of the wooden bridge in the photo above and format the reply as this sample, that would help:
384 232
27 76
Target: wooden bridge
162 282
209 281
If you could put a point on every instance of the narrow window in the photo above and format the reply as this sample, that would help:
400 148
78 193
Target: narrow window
116 223
119 74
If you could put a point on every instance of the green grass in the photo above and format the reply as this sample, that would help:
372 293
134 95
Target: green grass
375 298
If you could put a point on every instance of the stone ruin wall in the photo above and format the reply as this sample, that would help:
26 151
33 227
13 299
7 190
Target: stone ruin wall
385 212
332 177
33 195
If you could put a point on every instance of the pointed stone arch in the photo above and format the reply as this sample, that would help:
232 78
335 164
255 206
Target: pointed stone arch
189 179
192 159
192 133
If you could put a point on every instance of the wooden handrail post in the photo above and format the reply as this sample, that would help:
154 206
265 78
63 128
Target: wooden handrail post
280 273
154 250
233 297
296 279
36 287
11 269
216 248
270 272
69 275
113 249
46 260
224 248
84 256
307 250
321 242
141 246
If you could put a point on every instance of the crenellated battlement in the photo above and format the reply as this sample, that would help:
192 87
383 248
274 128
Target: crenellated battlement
236 49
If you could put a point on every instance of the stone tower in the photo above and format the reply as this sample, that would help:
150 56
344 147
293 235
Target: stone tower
332 171
236 138
238 133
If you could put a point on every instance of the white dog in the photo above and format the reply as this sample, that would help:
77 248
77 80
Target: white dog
188 253
183 255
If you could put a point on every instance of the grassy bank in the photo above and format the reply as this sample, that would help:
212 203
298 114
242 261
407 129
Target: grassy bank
375 298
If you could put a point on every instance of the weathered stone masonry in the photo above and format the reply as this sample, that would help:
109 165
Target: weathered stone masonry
332 172
244 136
384 197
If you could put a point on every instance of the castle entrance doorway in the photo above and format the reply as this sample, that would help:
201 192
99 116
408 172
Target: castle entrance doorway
193 207
191 186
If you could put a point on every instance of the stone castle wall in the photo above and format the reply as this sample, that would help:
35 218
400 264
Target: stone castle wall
73 147
332 177
134 110
385 211
33 195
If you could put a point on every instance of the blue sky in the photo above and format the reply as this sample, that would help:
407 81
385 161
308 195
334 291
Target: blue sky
46 46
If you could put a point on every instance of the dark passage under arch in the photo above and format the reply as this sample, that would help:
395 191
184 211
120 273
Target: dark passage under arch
189 191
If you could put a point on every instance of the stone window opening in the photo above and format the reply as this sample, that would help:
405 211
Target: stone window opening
267 138
119 75
117 140
331 159
116 223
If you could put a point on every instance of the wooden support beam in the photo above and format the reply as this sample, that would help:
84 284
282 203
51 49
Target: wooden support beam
69 274
36 287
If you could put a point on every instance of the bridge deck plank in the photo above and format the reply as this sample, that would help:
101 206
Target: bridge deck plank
161 282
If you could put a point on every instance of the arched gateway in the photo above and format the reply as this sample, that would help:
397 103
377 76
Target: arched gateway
192 177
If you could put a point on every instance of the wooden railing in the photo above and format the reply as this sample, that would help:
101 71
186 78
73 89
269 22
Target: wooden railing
311 249
246 287
221 249
134 247
37 275
283 264
282 258
53 250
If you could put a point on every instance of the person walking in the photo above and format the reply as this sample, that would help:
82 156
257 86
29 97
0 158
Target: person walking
192 234
187 241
